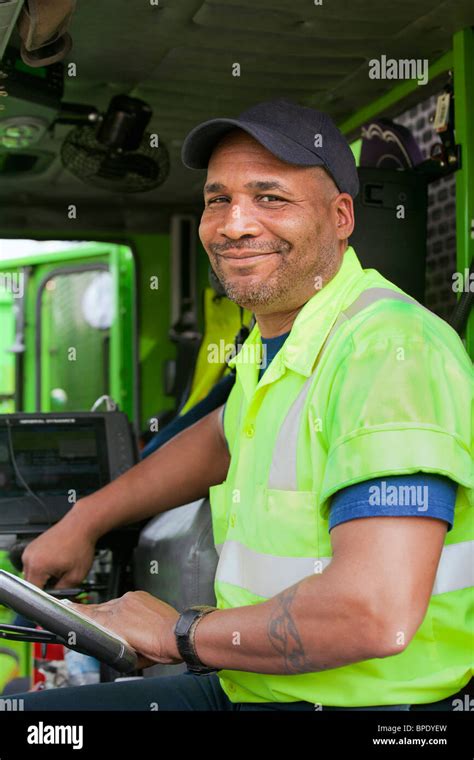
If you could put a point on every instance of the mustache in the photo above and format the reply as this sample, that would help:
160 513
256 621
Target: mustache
279 246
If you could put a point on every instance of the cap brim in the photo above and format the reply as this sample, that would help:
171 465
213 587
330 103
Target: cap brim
200 142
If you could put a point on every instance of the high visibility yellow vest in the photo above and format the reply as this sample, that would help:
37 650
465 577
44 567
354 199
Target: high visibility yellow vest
368 384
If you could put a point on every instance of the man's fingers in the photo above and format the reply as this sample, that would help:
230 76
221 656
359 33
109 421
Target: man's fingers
66 581
39 579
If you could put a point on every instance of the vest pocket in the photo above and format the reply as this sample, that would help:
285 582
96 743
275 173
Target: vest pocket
292 525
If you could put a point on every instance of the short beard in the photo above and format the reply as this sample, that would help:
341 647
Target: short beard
259 293
282 286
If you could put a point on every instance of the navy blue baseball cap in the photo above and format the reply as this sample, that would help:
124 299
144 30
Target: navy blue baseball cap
293 133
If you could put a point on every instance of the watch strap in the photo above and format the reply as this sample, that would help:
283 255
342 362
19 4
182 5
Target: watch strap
184 630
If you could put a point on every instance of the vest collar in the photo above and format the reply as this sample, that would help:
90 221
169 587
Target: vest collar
310 328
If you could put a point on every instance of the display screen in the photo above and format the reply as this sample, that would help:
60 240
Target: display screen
52 458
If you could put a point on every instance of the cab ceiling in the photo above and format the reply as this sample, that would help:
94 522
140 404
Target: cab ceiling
178 56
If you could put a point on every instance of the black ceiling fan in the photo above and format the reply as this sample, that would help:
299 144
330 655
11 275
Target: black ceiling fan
113 151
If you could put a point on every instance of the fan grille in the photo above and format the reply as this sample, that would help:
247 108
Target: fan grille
123 172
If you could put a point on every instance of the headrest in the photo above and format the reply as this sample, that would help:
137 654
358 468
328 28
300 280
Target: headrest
386 145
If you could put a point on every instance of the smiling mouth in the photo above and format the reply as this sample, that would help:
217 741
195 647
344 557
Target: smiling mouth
247 256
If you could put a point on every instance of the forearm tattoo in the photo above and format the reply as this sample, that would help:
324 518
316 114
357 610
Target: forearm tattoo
284 636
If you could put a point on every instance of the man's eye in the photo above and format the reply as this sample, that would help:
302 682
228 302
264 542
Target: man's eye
211 201
271 198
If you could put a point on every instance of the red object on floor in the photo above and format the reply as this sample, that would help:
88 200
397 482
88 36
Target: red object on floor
53 652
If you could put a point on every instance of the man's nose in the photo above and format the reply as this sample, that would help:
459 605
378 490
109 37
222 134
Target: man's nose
238 220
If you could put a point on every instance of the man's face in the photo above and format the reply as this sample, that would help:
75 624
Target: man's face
272 230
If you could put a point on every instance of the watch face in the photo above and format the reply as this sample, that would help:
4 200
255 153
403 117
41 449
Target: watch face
185 621
184 640
182 626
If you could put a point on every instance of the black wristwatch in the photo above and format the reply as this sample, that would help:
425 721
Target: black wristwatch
184 631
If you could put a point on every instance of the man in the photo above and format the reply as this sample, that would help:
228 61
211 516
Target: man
339 474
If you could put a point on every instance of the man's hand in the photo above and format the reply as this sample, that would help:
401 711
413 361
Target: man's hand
65 552
144 621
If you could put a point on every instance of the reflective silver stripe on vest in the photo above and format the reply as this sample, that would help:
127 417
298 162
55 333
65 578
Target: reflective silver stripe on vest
266 574
263 574
367 298
283 473
456 568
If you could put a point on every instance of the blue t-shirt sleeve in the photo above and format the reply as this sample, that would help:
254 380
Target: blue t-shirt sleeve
417 494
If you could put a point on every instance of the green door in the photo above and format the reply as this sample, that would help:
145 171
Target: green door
80 330
7 357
